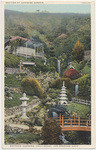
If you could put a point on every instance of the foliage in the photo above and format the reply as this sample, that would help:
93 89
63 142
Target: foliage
32 87
78 137
21 138
52 52
11 60
14 45
86 70
12 81
82 67
79 66
63 63
80 109
39 66
84 86
75 26
78 52
16 100
51 132
7 92
69 95
59 83
53 62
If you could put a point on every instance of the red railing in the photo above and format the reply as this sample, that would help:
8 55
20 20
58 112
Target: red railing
74 123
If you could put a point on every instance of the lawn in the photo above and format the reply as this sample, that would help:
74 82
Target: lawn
80 109
15 101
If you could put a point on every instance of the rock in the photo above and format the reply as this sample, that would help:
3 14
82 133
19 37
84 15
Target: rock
36 97
10 98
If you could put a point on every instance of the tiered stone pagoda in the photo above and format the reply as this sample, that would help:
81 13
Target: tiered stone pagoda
63 97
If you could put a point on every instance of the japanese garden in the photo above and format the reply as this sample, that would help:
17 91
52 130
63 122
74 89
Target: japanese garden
47 78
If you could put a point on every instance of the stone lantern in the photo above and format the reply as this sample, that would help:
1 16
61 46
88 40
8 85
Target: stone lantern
24 100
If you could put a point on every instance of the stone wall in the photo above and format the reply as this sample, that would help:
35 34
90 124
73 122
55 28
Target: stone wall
12 70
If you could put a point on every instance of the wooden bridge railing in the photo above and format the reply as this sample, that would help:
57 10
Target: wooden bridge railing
81 101
74 123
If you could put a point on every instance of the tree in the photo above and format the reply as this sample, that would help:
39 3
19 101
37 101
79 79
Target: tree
52 52
78 52
51 132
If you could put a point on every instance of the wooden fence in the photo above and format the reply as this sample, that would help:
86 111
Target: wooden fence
81 101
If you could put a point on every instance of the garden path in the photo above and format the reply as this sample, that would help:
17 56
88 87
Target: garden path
19 126
29 107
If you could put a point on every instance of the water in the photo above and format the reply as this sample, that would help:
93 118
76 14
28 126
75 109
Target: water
76 89
62 137
59 66
55 114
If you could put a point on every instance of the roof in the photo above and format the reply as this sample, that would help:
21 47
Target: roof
71 73
18 37
30 42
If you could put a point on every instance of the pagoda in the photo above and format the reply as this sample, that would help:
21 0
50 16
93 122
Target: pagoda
63 97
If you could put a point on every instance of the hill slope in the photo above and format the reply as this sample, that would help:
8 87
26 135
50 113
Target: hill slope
48 26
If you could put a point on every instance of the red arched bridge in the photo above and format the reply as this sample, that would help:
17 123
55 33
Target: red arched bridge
73 123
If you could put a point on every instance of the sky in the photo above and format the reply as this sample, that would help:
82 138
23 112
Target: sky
52 8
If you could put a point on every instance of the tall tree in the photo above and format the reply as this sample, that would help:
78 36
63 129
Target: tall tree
78 52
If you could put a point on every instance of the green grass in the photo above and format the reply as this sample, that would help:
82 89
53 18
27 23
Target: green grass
80 109
15 101
11 81
21 138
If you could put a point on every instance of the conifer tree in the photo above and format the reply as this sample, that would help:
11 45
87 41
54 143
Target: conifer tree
78 52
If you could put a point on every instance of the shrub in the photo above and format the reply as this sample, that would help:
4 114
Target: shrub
51 132
79 66
11 60
32 87
84 86
86 70
59 83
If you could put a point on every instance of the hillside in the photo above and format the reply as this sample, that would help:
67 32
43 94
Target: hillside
47 27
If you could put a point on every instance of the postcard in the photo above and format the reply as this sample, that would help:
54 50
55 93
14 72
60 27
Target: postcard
48 74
